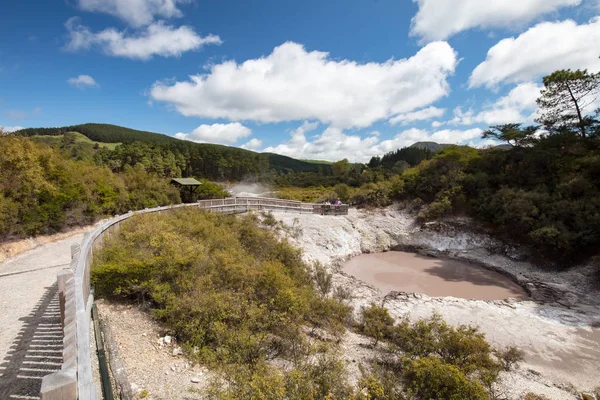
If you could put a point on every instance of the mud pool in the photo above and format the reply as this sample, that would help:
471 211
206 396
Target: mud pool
437 277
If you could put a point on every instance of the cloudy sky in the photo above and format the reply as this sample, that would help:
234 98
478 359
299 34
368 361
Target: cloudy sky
311 79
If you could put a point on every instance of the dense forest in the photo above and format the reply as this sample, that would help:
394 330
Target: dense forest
44 191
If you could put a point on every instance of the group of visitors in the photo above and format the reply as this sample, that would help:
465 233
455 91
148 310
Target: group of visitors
338 202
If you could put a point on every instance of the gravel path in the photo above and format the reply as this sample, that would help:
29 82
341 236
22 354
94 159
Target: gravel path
30 334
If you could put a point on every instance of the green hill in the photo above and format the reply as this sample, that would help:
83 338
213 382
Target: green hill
71 137
433 146
172 157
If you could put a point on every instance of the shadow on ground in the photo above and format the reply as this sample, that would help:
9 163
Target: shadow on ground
36 351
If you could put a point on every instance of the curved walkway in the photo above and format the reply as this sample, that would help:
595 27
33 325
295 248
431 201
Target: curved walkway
30 334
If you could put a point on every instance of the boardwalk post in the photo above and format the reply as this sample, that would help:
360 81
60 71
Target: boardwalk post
61 385
62 278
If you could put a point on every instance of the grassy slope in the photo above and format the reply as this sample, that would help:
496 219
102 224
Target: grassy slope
79 138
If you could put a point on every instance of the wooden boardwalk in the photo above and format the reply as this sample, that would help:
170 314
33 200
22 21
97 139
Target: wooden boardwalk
74 379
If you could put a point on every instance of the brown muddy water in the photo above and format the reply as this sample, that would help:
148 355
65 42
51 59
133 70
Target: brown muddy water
436 277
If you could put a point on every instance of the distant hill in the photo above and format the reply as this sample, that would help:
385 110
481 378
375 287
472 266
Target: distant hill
208 160
318 161
433 146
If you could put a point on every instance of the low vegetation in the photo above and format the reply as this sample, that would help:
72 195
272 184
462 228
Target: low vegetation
234 294
431 359
244 303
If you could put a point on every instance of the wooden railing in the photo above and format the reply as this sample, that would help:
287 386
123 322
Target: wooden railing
74 380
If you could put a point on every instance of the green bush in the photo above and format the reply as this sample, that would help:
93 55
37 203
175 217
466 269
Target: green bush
210 190
323 279
435 360
313 194
376 322
432 378
225 286
321 376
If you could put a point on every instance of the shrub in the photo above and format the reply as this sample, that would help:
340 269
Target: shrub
378 384
533 396
220 282
268 219
431 378
373 195
509 357
343 192
321 376
438 361
376 322
210 190
322 279
312 194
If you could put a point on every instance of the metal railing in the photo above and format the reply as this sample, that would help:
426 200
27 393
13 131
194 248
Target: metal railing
74 380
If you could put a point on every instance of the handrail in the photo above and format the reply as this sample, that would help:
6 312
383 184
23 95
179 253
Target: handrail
74 380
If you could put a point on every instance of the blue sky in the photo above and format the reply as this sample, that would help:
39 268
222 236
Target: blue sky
312 79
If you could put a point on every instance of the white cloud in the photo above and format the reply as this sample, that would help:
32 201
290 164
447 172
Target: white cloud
541 50
518 106
252 144
82 81
155 39
440 19
9 129
419 115
294 84
134 12
455 136
333 144
217 133
436 124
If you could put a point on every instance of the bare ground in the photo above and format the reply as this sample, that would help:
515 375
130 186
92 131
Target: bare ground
151 368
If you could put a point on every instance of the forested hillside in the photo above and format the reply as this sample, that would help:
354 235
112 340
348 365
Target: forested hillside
44 191
184 158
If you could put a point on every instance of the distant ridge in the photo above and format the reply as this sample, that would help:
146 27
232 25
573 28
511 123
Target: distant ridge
208 154
433 146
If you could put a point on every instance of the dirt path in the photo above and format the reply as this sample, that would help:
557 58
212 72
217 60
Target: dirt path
30 336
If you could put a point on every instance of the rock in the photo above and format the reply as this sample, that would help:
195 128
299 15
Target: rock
587 396
172 368
177 351
167 339
195 380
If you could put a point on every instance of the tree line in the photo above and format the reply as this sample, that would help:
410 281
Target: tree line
175 157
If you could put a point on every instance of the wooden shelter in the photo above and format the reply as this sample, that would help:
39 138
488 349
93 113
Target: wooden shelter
187 186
